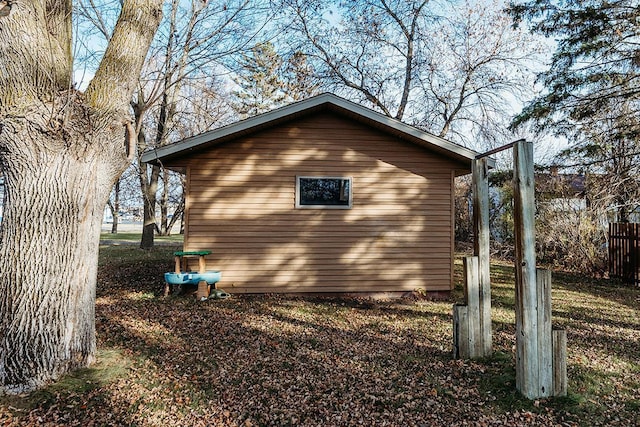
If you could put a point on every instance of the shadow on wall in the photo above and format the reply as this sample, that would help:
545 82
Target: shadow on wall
396 237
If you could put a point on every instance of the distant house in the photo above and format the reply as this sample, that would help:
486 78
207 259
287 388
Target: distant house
562 192
570 192
323 195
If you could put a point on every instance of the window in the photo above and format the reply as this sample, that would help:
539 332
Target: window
323 192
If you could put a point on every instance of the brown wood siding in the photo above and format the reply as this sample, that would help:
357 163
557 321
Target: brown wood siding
396 237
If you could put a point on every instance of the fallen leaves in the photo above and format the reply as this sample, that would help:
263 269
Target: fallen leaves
276 361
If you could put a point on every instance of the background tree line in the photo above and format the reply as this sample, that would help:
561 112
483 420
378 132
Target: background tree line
590 96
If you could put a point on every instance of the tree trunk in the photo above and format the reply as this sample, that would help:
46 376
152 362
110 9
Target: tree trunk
48 256
148 178
149 189
150 186
115 208
164 205
177 214
61 152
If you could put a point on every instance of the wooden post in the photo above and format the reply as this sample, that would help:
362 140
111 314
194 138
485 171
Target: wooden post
477 285
202 264
559 362
540 352
167 287
468 334
545 339
203 287
460 332
472 298
481 249
527 348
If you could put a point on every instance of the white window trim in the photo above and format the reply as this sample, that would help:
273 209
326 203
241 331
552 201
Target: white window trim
347 206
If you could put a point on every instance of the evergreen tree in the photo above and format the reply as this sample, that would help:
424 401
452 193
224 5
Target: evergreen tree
595 66
592 91
261 87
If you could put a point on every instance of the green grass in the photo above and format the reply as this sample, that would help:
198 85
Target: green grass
110 366
278 360
127 256
134 238
603 325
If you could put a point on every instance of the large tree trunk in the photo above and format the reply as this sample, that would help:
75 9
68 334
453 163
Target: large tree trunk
164 205
48 255
61 152
148 178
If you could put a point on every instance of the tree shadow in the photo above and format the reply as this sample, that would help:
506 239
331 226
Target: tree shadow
273 359
291 359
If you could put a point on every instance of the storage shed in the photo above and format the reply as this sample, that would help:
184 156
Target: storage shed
323 195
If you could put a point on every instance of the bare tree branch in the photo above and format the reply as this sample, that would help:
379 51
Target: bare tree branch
118 72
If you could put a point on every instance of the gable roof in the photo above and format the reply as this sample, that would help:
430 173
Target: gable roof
323 102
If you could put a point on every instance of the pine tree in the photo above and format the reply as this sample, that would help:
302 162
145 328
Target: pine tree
592 91
596 64
261 87
301 82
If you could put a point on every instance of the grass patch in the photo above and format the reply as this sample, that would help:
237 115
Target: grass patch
134 238
111 364
130 256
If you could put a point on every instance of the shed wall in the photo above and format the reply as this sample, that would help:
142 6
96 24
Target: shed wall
398 236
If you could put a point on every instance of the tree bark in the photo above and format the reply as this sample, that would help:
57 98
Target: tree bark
61 152
164 205
149 207
115 208
148 176
48 256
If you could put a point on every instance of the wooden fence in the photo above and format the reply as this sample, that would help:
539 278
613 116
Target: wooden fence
624 252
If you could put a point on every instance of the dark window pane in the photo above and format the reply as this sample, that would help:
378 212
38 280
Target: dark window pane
324 192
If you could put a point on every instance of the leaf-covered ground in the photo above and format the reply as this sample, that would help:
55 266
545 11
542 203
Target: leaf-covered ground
276 360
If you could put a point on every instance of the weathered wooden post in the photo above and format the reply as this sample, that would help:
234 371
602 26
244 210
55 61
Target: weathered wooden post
534 370
461 348
545 337
541 359
472 298
559 362
481 247
472 337
526 296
